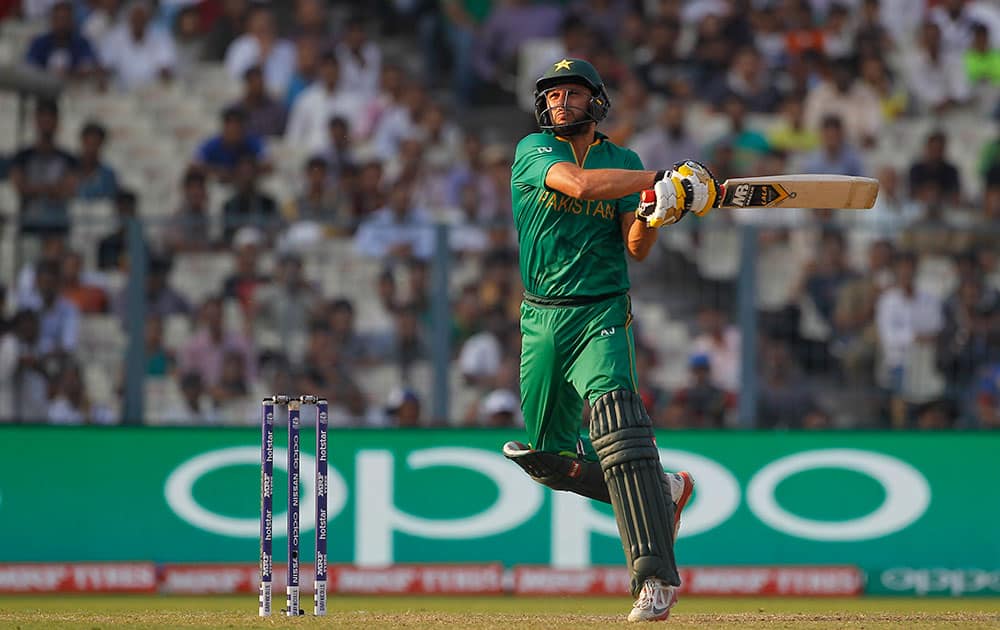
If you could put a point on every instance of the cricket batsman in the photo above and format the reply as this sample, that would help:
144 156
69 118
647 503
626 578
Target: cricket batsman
577 212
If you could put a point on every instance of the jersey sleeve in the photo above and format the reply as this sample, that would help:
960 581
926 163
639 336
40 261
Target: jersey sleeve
629 203
533 158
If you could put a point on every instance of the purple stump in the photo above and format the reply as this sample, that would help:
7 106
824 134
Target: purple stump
266 511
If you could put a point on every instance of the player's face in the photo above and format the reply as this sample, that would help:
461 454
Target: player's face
567 103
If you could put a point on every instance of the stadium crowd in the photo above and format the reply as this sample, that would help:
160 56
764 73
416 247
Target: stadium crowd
353 128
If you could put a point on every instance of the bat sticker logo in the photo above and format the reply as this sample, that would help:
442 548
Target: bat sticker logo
741 197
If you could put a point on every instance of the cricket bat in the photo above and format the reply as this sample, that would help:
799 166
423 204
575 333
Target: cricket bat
800 191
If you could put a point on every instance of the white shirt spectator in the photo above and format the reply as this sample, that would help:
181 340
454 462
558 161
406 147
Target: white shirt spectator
378 235
58 326
20 394
480 356
901 18
360 77
62 411
932 83
311 114
859 109
137 63
724 355
279 66
956 34
901 318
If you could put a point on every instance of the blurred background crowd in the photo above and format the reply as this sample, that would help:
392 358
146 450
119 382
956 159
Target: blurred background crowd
275 175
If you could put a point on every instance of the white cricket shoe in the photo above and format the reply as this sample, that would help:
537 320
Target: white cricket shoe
681 487
655 601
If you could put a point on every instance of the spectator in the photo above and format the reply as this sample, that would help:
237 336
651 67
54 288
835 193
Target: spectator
281 309
988 398
407 345
160 360
933 179
471 169
820 284
135 53
264 115
63 51
893 208
442 139
855 333
403 408
790 133
97 179
44 176
112 250
80 288
658 64
339 152
480 356
247 279
190 41
319 202
958 19
749 146
907 320
982 62
785 400
399 121
53 248
510 24
102 18
162 300
326 369
500 409
324 99
194 406
225 29
836 156
360 60
700 404
670 141
307 54
205 351
848 98
260 45
467 234
936 77
71 404
743 81
312 19
893 99
219 154
23 381
249 205
231 394
970 334
720 342
190 228
340 321
399 230
58 318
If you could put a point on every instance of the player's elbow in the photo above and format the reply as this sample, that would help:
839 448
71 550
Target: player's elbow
571 180
638 253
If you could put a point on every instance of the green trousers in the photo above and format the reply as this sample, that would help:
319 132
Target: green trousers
568 354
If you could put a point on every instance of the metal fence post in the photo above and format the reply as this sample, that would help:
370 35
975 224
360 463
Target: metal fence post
135 308
746 297
440 323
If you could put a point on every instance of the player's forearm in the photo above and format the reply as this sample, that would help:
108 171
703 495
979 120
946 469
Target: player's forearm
640 239
598 183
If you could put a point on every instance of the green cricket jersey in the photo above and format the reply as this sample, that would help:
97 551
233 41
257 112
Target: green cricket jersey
569 247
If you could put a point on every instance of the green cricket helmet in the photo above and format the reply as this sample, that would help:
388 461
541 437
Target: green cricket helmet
571 71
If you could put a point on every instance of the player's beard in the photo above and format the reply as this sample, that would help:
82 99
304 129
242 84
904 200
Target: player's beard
571 129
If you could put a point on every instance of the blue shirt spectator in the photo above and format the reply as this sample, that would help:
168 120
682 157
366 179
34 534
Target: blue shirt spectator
97 179
836 156
62 50
220 154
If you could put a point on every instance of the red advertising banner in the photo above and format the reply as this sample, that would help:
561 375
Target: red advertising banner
777 581
66 577
423 579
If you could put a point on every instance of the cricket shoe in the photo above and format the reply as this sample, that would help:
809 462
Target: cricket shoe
655 601
681 487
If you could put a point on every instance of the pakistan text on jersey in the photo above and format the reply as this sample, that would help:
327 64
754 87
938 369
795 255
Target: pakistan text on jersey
558 202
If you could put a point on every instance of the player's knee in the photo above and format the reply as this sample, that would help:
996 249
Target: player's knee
620 429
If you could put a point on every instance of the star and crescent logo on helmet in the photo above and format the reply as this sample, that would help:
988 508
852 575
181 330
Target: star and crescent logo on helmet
562 65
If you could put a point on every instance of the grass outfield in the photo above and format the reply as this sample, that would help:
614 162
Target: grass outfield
508 613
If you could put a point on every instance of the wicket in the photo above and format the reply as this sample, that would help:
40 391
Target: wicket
294 405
